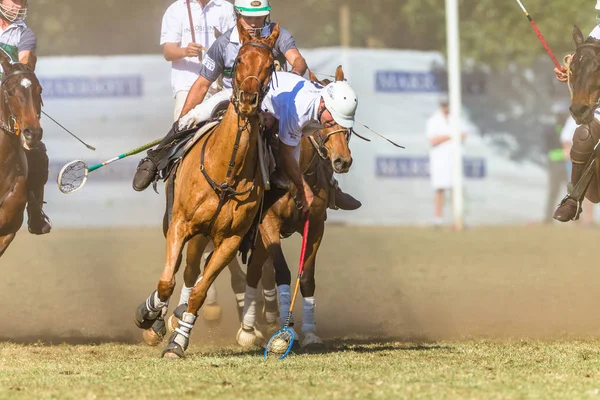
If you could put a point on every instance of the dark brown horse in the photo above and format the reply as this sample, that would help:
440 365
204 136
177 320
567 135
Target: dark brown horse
218 189
320 153
20 108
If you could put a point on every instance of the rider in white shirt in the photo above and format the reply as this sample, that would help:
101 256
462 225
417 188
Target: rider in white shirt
210 19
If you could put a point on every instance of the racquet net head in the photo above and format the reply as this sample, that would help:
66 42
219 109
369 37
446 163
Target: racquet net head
72 176
280 343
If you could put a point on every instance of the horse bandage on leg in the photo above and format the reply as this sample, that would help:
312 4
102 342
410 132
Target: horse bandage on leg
183 330
308 315
249 315
270 305
285 299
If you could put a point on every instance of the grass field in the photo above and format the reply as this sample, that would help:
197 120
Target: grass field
406 313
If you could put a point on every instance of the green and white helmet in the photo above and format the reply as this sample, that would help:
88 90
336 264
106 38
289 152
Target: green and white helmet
253 8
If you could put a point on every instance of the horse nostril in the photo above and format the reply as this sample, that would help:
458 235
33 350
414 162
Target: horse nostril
579 109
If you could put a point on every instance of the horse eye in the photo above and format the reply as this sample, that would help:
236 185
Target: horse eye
10 92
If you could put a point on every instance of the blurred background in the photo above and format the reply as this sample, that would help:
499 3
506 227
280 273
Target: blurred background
105 78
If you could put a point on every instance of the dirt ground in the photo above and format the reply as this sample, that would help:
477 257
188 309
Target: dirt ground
82 286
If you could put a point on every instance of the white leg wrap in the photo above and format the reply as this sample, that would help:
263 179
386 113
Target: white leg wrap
184 297
270 295
184 328
249 315
308 315
285 299
156 306
240 297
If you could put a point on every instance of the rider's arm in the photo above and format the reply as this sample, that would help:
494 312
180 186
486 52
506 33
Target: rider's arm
27 45
172 51
212 66
28 57
287 46
297 62
196 94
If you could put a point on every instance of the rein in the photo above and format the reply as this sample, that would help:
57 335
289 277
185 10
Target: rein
225 190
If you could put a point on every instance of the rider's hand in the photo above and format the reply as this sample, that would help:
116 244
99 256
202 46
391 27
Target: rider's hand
193 50
307 198
561 74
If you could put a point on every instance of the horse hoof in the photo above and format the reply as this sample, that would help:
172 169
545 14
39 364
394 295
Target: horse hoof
173 351
249 339
172 323
212 312
312 342
169 355
151 338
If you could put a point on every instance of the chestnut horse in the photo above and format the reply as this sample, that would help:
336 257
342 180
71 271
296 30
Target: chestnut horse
320 153
218 189
20 108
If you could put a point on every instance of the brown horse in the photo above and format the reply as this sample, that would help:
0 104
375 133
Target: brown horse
320 153
584 85
219 189
20 108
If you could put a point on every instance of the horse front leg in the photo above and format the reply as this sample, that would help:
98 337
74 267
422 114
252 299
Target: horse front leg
191 275
5 241
248 336
223 254
150 314
270 296
307 287
238 284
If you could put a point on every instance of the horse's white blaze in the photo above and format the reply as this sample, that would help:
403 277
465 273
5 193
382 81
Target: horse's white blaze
25 83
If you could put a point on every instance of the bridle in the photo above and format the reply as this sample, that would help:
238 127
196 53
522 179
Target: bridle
10 127
264 89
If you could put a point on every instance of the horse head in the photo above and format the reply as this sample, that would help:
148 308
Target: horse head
584 78
332 143
253 69
21 99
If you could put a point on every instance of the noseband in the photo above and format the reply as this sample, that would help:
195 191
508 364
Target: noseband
320 141
264 89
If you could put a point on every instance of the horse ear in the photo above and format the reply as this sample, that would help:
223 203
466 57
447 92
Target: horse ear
339 73
312 76
32 61
577 36
5 60
273 36
244 35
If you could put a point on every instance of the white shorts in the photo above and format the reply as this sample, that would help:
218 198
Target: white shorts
179 103
441 173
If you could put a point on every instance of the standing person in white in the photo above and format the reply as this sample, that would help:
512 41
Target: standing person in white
441 156
210 18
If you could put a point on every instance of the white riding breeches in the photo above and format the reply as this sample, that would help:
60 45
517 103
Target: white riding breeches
203 111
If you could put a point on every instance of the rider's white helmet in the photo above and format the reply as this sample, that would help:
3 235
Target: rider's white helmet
13 14
253 8
341 101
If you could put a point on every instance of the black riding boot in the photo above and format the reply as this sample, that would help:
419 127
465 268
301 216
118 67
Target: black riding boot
147 168
37 163
581 153
338 199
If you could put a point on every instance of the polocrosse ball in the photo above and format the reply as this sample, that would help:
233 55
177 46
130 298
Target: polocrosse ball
278 346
